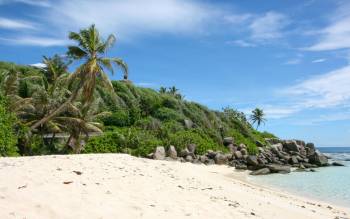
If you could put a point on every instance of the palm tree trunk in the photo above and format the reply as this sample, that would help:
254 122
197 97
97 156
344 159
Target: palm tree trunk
58 110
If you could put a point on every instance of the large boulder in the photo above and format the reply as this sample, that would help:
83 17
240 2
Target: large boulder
242 146
228 141
159 153
310 149
338 164
252 160
192 148
238 155
241 167
203 158
220 159
275 168
293 160
318 158
188 124
300 142
262 171
232 148
291 145
189 158
211 154
272 141
244 151
172 152
184 153
276 148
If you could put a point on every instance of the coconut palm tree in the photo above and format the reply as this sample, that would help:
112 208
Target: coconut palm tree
90 49
258 117
162 90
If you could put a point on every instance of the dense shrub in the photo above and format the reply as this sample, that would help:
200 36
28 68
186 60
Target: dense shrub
110 142
167 114
170 102
124 140
241 139
119 118
149 101
181 139
148 123
8 138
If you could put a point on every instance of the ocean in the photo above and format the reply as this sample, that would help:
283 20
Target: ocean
329 184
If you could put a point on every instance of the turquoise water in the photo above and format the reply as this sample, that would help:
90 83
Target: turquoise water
329 184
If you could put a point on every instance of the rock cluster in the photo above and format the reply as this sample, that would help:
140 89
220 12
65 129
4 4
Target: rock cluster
278 156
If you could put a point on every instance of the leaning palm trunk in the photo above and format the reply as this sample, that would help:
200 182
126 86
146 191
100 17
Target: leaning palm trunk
59 110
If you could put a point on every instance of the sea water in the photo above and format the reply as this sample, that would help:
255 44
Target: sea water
329 184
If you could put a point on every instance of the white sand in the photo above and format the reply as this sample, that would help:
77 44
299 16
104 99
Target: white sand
121 186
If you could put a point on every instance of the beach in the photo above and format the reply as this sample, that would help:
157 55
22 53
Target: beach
122 186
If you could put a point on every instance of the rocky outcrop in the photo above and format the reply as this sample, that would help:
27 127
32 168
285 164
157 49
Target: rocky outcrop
279 156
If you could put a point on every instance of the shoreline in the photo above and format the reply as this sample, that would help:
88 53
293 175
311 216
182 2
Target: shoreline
249 179
111 185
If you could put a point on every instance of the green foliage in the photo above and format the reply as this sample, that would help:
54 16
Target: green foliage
119 118
167 114
148 123
110 142
124 140
182 138
8 138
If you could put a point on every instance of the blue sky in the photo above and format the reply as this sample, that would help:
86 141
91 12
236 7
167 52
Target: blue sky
289 57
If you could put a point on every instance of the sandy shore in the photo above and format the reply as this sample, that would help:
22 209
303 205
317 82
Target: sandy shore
121 186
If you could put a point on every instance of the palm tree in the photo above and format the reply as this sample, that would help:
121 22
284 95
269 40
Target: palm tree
258 117
173 90
162 90
91 49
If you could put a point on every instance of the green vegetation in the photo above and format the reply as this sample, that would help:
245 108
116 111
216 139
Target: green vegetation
8 139
51 101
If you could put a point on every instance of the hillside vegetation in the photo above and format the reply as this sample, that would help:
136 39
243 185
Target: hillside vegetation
140 119
38 104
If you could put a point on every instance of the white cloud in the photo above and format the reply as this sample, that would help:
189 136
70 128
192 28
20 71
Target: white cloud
337 34
269 26
38 65
327 90
15 24
128 18
35 41
319 60
241 43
